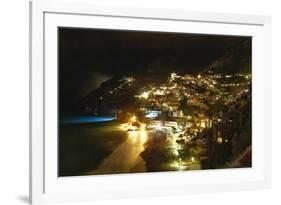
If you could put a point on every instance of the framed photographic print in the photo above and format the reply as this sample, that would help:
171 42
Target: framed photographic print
130 102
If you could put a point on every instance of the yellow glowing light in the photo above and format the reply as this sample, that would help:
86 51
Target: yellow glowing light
144 95
192 159
133 128
203 124
219 140
143 127
132 134
173 76
198 76
143 136
124 126
164 104
248 76
178 165
159 92
133 118
176 152
175 164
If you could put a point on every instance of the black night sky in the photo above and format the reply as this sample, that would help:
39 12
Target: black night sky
88 57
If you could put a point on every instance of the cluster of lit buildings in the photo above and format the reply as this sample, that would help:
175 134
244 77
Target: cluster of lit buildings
200 92
171 96
166 108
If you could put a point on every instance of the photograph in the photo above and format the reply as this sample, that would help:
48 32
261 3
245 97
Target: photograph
132 101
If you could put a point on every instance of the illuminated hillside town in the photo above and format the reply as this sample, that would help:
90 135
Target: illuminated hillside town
192 116
162 121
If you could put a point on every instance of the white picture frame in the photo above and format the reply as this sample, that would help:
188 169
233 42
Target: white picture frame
46 187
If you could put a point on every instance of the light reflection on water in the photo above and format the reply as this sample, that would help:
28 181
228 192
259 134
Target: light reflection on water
126 157
85 119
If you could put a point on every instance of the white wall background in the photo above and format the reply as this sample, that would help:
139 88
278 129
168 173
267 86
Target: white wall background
14 100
